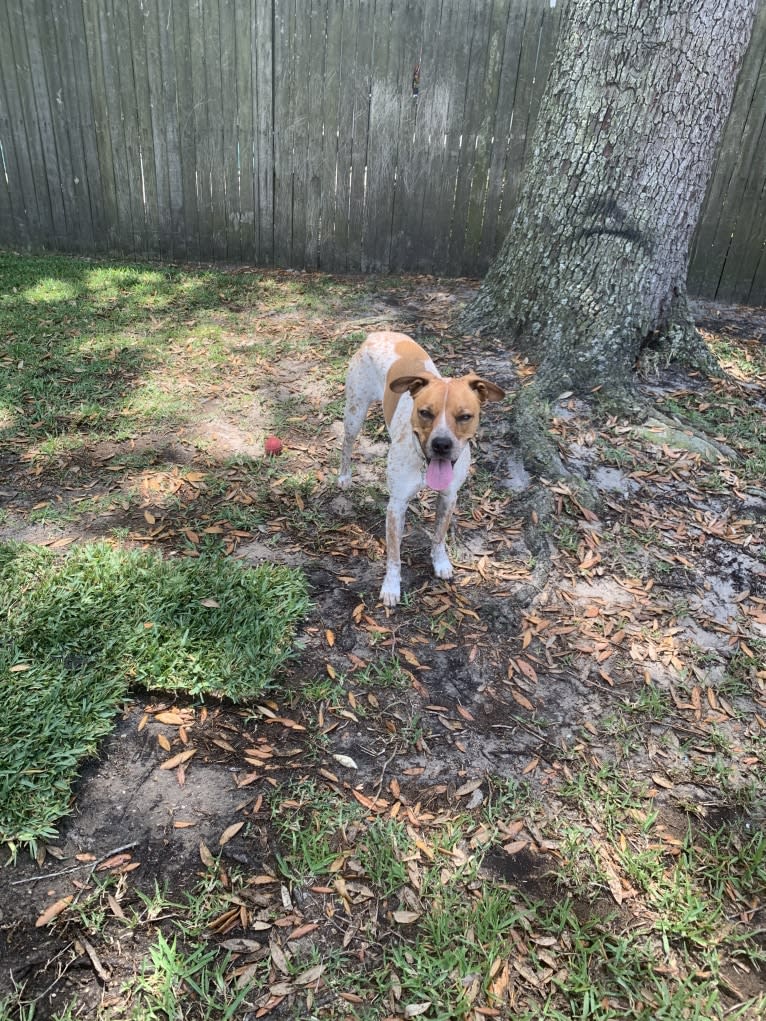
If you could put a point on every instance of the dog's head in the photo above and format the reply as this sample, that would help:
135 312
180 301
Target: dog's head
445 416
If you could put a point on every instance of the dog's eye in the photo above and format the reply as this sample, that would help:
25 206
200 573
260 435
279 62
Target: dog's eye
466 417
426 414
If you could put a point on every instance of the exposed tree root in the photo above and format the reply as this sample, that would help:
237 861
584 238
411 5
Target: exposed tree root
678 342
677 425
631 405
530 420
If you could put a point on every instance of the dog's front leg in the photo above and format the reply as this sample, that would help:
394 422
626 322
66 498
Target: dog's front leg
439 557
391 589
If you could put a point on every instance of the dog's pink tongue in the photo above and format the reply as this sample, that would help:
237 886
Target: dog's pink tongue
439 474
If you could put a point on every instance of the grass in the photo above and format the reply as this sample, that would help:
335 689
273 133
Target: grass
81 629
90 343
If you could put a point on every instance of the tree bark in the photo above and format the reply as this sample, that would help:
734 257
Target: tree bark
593 271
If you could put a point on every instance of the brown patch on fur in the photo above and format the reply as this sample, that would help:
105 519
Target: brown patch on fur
411 362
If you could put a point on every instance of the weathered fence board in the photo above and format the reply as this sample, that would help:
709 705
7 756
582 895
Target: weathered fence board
333 134
724 237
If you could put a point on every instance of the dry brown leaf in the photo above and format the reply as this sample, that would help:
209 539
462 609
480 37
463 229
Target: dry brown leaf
416 1009
229 832
172 718
53 911
114 906
662 781
522 700
527 669
309 976
177 760
514 828
411 658
406 917
115 862
279 959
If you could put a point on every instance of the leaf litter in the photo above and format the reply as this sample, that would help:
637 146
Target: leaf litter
512 731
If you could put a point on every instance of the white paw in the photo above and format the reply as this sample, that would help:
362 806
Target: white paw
442 566
391 591
344 480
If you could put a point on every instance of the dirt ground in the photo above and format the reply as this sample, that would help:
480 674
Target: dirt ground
516 670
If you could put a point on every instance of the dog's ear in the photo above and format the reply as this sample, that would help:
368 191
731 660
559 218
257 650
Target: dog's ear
485 390
412 383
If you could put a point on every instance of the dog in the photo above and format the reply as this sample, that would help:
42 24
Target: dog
430 422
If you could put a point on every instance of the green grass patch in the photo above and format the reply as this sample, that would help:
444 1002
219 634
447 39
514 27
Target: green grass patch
86 346
80 630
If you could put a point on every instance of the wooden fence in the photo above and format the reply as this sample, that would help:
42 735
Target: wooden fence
332 134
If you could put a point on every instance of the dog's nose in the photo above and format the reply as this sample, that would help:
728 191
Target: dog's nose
441 446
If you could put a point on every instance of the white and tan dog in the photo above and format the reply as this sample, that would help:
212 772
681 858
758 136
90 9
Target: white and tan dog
430 421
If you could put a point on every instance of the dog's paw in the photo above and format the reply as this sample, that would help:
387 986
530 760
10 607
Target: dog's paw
442 565
391 592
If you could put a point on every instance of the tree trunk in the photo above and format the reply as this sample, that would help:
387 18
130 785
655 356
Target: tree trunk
593 271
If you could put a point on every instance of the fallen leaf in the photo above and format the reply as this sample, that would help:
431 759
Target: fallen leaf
522 700
279 959
177 760
527 669
416 1009
229 832
469 787
406 917
115 862
169 717
662 781
53 911
115 907
309 976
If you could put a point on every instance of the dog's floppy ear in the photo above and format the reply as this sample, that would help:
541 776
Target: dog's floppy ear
485 390
412 383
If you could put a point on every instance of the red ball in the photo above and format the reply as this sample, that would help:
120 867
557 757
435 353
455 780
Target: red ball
272 446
